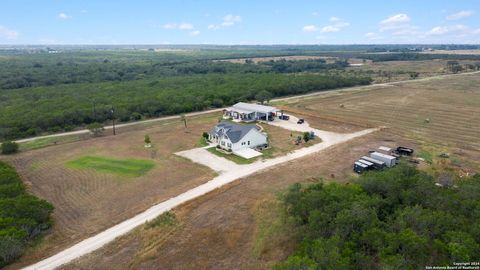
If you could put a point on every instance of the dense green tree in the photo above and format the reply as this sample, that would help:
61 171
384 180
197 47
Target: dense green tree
392 219
22 216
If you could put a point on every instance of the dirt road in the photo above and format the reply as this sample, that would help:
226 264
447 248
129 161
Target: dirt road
91 244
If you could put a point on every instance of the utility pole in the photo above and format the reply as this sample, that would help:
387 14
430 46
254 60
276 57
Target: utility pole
113 120
94 111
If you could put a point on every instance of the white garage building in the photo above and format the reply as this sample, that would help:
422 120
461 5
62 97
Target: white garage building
248 112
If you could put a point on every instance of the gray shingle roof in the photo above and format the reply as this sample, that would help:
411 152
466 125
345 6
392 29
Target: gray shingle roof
233 131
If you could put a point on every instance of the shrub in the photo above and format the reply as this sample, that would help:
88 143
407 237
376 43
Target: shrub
96 129
147 140
9 147
22 216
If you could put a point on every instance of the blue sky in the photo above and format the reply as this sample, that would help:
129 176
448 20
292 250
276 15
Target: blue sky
239 22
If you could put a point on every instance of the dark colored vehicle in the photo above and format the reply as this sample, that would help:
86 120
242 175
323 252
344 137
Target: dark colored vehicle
300 121
404 151
284 117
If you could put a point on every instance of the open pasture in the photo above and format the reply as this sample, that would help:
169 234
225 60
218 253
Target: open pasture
439 113
98 182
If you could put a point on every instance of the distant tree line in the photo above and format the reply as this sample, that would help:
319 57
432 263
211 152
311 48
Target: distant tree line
64 107
44 70
23 217
394 219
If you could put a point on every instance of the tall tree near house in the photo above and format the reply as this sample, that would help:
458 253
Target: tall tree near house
263 96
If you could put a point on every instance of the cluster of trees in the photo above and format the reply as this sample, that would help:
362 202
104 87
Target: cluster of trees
63 107
314 65
21 71
23 217
395 219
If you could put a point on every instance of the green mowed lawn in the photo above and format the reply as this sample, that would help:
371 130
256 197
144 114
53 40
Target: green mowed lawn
126 167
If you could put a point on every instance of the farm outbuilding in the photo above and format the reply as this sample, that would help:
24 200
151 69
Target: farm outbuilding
248 112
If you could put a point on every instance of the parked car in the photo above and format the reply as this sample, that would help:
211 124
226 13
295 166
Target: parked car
300 121
284 117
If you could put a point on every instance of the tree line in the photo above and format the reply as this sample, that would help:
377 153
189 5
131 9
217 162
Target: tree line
23 217
394 219
64 107
22 71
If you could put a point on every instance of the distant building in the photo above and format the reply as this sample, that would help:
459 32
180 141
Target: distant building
234 137
250 112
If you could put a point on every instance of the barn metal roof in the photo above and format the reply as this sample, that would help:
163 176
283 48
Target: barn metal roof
248 107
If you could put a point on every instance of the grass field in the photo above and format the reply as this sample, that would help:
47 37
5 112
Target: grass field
87 194
441 114
126 167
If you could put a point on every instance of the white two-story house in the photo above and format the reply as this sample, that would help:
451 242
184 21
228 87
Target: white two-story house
234 137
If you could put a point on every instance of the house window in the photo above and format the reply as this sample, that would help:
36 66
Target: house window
229 145
248 142
223 143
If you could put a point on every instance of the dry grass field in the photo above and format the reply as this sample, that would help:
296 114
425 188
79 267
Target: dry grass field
95 183
400 70
441 114
235 227
88 201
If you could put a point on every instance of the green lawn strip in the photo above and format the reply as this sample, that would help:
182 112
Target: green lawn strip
128 167
44 142
231 157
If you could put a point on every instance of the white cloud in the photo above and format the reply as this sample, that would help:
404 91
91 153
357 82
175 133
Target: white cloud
315 13
179 26
195 33
310 28
476 31
7 33
447 30
395 19
227 21
438 30
373 36
334 19
231 19
329 29
394 22
460 15
63 16
335 26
